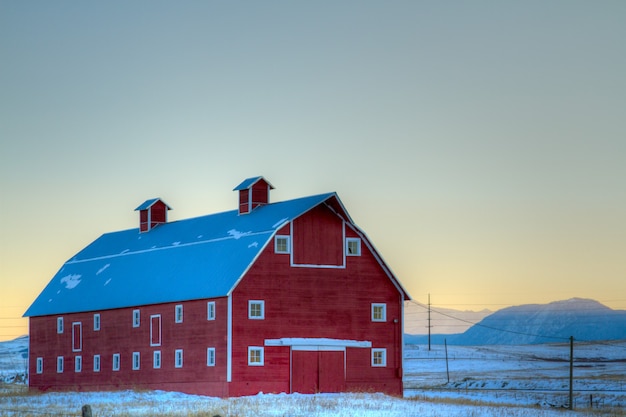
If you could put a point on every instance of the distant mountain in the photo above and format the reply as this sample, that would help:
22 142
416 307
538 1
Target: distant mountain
584 319
443 321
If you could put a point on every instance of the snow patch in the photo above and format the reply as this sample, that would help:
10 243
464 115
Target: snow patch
278 223
253 245
237 234
200 236
71 281
107 282
125 250
101 270
176 243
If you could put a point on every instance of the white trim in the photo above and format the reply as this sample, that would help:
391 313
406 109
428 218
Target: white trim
255 302
80 336
261 355
178 313
136 361
96 322
39 366
178 358
210 310
383 319
160 330
321 343
60 364
156 364
384 357
210 354
60 325
117 362
96 363
78 363
136 318
288 244
356 240
229 339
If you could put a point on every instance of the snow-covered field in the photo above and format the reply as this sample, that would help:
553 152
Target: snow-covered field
515 381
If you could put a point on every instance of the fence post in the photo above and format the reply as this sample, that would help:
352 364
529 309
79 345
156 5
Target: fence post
86 411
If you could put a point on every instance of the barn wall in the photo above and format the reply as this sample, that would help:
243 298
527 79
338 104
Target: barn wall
117 335
318 238
302 302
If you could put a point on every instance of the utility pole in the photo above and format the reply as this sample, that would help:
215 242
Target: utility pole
571 372
429 326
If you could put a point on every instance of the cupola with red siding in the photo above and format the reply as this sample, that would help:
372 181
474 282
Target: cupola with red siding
152 213
253 192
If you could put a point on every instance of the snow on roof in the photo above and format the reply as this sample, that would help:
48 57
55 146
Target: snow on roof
196 258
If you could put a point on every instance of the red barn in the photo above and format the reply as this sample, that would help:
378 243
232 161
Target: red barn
270 297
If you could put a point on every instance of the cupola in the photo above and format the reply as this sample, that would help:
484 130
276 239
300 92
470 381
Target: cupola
152 213
253 192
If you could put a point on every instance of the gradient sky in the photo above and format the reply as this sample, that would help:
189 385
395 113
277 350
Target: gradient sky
481 145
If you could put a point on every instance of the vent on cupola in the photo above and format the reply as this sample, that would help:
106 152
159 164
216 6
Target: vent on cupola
253 192
151 214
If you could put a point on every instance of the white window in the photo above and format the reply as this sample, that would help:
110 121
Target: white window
353 246
255 356
178 358
39 365
59 325
96 363
210 310
136 361
281 244
78 363
136 318
96 322
155 330
59 364
116 361
179 313
156 359
210 356
256 309
379 357
379 312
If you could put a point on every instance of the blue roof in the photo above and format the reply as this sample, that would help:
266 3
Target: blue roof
196 258
249 182
148 203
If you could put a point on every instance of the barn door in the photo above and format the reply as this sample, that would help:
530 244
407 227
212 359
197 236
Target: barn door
317 371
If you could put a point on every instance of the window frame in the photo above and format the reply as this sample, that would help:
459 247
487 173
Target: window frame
117 362
178 358
60 325
383 357
152 329
287 240
261 303
96 322
136 318
60 361
136 361
210 356
210 310
96 363
77 331
382 319
178 313
156 359
356 240
39 366
78 363
261 361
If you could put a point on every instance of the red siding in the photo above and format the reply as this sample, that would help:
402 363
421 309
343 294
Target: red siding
244 206
318 238
260 193
158 213
302 302
117 335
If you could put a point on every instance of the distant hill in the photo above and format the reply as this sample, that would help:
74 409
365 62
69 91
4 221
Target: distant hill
584 319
